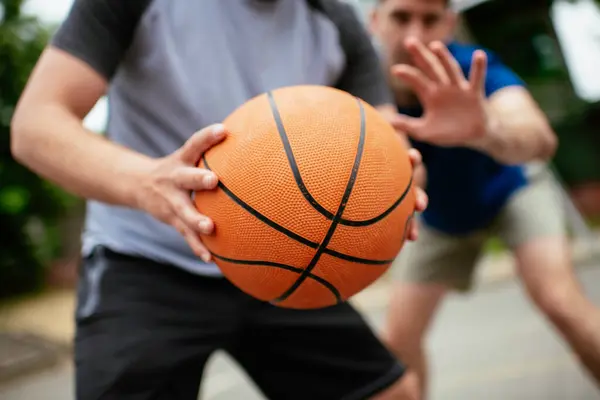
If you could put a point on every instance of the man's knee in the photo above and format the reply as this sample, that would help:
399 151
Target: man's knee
556 295
403 339
546 269
552 299
410 311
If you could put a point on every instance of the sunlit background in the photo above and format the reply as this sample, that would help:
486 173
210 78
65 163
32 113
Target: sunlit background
53 12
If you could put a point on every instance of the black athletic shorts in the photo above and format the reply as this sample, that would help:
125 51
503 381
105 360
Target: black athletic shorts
145 331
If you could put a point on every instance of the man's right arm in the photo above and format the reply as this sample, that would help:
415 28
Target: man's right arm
47 134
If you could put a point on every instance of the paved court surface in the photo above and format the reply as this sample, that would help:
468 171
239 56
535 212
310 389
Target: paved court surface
489 345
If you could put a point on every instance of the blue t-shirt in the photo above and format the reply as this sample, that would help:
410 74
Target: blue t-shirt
467 188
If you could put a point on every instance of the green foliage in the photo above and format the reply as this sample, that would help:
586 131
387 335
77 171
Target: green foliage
30 208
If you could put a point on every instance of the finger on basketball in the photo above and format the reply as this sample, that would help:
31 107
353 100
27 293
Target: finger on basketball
186 212
422 200
194 179
191 152
449 63
415 157
194 242
478 71
413 77
426 61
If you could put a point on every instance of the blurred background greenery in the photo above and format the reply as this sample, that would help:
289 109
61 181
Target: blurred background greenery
31 210
525 37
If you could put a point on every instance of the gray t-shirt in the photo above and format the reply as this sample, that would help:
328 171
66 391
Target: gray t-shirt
177 66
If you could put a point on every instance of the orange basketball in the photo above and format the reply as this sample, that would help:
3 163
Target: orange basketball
314 198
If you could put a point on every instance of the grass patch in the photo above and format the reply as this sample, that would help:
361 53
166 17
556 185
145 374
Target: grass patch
494 246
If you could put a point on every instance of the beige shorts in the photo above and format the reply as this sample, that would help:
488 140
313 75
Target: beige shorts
534 211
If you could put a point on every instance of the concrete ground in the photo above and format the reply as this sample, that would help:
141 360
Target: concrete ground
488 345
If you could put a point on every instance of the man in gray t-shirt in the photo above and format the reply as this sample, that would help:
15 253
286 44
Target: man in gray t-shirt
151 306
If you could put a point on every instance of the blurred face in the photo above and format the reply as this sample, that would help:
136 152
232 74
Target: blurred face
393 21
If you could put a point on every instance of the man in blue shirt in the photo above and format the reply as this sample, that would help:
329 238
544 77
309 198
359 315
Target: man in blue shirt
475 145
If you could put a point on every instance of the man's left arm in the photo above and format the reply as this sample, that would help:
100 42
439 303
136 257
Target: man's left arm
491 111
517 129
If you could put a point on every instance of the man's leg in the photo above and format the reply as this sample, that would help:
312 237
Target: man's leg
423 273
546 269
410 312
328 354
533 225
145 330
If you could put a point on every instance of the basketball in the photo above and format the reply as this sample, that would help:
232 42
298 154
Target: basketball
314 199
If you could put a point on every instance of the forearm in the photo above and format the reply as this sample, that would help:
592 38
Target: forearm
516 138
54 144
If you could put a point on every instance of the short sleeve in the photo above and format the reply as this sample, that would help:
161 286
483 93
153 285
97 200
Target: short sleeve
499 75
363 75
99 32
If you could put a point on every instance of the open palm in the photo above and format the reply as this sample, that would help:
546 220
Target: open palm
454 107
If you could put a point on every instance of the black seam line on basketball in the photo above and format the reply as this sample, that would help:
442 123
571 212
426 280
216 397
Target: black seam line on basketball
324 282
338 215
292 160
291 234
300 182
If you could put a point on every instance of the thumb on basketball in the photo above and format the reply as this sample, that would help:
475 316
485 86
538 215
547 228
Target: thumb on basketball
192 150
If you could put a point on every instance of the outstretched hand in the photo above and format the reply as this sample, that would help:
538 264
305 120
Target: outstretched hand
454 106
